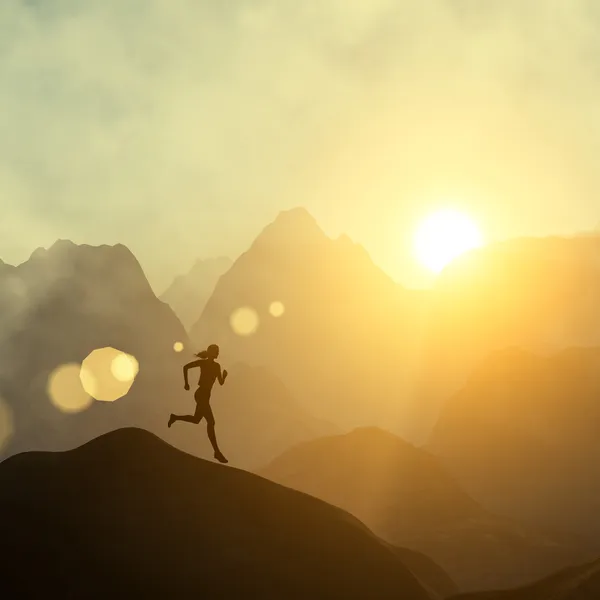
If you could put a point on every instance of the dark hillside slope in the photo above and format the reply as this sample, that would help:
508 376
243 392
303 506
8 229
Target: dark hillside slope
128 515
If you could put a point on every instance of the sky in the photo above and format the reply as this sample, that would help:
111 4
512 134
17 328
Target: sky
182 127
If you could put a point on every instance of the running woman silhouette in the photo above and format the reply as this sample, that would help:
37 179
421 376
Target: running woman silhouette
210 371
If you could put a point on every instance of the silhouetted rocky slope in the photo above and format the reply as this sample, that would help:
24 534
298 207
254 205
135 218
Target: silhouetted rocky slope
522 436
126 515
405 495
348 340
189 293
575 583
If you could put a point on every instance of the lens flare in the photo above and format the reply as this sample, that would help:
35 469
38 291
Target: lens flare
88 381
108 373
124 367
277 309
244 321
65 389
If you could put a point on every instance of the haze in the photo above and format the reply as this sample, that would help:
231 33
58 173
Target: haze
183 126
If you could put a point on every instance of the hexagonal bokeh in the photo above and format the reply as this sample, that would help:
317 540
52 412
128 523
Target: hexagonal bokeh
107 374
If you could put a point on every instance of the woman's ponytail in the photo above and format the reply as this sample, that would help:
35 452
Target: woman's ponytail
211 352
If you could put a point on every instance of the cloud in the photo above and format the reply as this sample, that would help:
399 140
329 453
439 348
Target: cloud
179 127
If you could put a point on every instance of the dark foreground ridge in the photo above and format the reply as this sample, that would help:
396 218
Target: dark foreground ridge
127 515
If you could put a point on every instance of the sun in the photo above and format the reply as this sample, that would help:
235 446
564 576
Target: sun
443 236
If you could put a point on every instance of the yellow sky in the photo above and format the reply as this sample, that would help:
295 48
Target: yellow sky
182 127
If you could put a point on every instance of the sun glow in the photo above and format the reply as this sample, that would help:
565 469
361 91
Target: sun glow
443 236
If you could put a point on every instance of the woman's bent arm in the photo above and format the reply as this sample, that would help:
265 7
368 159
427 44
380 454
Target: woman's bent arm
186 368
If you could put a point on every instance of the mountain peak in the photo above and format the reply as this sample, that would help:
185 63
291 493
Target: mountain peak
64 247
102 275
297 215
188 294
202 266
294 225
61 244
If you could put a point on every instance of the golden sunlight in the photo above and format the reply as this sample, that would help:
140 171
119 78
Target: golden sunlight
443 236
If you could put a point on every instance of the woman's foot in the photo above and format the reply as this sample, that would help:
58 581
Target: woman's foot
219 456
171 420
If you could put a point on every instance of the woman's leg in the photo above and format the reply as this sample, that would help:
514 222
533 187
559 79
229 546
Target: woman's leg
195 418
212 435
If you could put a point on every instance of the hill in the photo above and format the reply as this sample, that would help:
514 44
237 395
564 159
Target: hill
575 583
128 515
522 437
406 496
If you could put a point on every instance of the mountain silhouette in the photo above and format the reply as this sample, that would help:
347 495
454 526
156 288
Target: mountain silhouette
69 300
574 583
346 343
257 419
522 437
58 307
405 495
189 293
128 515
540 294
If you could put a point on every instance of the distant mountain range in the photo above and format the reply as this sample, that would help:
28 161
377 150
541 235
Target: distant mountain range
70 300
540 294
127 515
405 495
348 340
352 347
57 308
374 353
188 294
522 437
499 362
